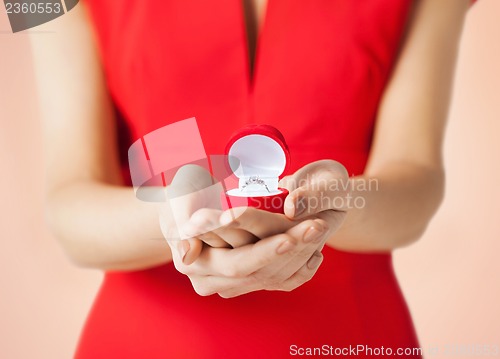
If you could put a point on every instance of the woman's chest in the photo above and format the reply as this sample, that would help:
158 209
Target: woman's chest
319 67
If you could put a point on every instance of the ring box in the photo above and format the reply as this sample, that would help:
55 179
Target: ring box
258 156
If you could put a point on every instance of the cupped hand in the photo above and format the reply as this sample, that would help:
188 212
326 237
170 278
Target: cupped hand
319 195
191 190
318 190
282 262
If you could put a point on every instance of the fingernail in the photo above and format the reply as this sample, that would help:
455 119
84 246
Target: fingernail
299 206
322 224
285 247
315 260
313 234
183 248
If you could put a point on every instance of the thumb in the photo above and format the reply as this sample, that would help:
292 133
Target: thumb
316 197
185 250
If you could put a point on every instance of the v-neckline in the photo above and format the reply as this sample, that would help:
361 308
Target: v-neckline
252 60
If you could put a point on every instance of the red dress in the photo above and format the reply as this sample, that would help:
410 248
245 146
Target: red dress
320 70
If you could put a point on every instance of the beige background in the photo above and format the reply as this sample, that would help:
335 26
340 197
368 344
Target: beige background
451 277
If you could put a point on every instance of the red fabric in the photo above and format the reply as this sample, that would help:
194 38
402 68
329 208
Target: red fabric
321 68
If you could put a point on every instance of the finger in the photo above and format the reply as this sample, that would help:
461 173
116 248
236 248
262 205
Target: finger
315 234
333 218
260 223
288 182
237 291
200 222
192 188
315 198
185 251
324 176
308 173
183 208
228 238
304 274
235 263
208 285
213 240
287 246
236 237
243 261
233 288
205 225
193 250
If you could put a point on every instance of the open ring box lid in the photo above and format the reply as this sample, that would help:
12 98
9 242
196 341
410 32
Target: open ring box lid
257 153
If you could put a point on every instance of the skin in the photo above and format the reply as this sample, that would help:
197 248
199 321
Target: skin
100 223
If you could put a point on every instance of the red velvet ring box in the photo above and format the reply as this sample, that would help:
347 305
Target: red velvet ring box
258 156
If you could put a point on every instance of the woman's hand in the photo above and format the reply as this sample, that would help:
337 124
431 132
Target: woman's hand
282 261
190 215
191 189
268 251
322 189
318 190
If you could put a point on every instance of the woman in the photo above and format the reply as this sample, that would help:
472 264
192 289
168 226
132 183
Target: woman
366 84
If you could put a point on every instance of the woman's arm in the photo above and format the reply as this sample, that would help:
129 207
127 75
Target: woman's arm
98 222
405 158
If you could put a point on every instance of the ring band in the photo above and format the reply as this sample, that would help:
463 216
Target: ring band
255 180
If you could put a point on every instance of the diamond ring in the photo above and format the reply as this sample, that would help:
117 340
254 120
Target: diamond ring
255 180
